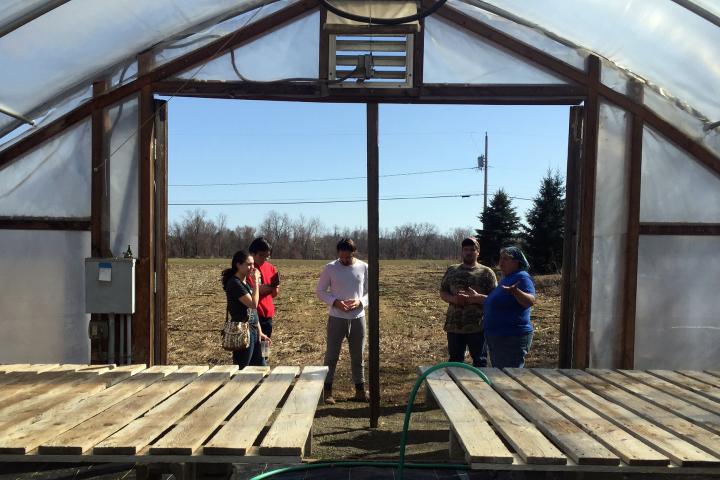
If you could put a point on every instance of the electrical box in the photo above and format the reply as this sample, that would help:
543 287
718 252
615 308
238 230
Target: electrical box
110 285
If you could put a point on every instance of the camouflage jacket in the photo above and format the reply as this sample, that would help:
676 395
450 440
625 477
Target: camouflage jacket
467 318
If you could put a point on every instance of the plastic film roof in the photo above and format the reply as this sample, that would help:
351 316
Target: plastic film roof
70 43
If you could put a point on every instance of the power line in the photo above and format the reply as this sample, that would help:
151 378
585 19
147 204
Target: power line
310 180
305 202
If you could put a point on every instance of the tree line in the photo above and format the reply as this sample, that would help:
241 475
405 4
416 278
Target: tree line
196 235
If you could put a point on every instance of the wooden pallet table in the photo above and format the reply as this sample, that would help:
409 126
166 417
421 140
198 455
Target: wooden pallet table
614 421
169 418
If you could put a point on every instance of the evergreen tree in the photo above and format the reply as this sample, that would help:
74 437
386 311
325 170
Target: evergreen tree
500 227
546 225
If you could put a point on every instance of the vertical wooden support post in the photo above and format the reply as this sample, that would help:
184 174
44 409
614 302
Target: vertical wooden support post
143 320
418 52
373 206
161 221
569 266
99 219
633 235
324 43
99 206
581 336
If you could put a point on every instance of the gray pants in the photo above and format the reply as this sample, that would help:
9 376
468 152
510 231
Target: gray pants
354 331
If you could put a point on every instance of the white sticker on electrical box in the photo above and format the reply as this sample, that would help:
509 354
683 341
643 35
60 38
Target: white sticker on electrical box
105 271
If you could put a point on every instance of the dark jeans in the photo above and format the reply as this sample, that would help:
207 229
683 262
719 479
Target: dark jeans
266 325
475 342
252 354
509 352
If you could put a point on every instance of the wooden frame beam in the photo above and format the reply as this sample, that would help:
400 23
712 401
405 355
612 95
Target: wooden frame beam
100 124
429 93
44 223
627 359
710 229
583 290
373 211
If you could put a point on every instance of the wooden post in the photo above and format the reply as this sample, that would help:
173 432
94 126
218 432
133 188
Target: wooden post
143 320
373 206
161 221
569 266
633 238
581 331
99 211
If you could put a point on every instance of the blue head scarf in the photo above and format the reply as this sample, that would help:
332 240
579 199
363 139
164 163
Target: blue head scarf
518 255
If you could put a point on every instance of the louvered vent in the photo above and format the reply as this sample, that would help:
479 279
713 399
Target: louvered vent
364 61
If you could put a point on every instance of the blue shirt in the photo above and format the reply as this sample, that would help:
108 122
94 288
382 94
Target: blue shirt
504 316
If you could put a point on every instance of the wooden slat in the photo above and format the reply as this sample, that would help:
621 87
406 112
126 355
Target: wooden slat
675 390
27 435
714 372
191 432
378 60
44 395
82 437
138 434
684 381
15 367
694 434
239 433
678 406
678 450
524 437
572 440
480 443
631 450
378 46
289 432
702 377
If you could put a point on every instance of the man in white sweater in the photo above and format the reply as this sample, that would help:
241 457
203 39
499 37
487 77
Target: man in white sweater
343 285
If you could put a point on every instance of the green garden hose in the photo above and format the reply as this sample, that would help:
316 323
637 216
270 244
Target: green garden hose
400 465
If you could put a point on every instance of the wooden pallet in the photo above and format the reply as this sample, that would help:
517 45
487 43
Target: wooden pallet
572 420
158 415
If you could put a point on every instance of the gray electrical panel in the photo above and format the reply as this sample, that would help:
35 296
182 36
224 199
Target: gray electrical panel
110 285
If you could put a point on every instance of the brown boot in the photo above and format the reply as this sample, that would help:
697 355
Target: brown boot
360 395
327 395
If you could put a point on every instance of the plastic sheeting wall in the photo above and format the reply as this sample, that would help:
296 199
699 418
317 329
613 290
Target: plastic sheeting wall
610 236
289 52
454 55
677 323
51 181
64 55
124 177
42 297
675 187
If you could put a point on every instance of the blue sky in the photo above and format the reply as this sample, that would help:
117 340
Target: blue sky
249 142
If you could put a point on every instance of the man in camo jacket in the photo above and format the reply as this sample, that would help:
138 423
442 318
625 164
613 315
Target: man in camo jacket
464 287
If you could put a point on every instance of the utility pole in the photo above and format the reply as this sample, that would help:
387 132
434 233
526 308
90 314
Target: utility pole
483 165
486 172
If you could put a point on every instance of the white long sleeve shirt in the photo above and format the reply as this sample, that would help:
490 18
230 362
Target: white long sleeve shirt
344 282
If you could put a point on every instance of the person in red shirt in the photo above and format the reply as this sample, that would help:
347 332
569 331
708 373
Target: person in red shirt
261 249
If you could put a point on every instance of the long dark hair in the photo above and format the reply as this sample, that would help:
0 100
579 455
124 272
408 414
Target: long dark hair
239 257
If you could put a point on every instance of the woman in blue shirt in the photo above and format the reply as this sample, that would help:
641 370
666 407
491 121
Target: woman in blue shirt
508 330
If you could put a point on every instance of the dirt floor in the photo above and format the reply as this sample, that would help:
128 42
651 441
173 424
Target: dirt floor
411 320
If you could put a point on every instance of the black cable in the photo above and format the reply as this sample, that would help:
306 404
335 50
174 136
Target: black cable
311 180
383 21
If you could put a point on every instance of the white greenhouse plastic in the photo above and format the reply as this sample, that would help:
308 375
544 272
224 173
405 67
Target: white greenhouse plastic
659 57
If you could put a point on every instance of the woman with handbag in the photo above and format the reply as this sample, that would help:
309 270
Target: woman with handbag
242 302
